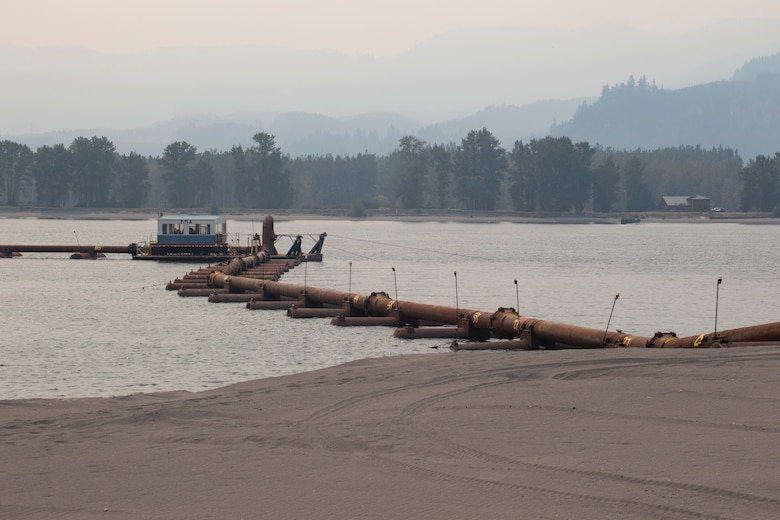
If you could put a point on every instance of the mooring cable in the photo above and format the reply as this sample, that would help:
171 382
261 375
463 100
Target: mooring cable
331 246
424 250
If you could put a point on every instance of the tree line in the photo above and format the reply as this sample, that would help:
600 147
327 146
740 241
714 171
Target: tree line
542 176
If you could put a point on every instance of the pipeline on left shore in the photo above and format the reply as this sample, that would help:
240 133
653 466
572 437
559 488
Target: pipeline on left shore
253 279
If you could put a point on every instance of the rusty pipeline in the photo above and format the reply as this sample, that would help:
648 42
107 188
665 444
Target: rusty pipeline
364 321
510 344
505 323
294 311
184 292
409 332
746 335
223 296
175 286
78 251
280 305
219 280
241 264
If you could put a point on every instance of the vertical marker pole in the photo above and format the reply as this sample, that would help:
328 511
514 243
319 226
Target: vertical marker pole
717 294
457 306
395 281
610 318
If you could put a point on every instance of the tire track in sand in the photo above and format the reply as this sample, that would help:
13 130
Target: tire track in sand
319 428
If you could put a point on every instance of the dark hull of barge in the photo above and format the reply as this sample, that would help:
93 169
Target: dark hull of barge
185 256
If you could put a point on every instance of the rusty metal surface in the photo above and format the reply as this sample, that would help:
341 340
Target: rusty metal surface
90 250
294 311
410 332
228 297
505 323
364 321
731 337
511 344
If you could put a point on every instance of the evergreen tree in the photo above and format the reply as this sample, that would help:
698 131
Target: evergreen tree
187 180
132 181
562 173
760 184
523 178
16 165
413 185
442 167
480 164
94 165
580 180
606 180
638 196
243 183
269 183
52 173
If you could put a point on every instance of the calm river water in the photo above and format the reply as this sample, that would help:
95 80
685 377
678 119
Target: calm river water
108 327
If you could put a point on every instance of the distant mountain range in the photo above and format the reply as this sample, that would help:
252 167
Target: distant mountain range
519 84
299 133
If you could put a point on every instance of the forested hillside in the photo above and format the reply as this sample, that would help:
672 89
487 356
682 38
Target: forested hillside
756 67
638 114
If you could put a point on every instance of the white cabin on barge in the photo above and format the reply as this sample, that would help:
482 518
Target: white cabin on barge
191 229
187 238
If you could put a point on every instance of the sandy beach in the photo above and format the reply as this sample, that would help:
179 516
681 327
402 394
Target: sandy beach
545 434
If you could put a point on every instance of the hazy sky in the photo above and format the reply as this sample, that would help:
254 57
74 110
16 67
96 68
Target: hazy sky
374 27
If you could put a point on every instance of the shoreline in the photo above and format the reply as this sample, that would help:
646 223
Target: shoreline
389 215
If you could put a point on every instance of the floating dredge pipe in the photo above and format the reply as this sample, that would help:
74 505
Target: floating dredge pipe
307 312
241 264
228 297
511 344
745 335
206 291
272 304
364 321
90 251
175 286
504 323
409 332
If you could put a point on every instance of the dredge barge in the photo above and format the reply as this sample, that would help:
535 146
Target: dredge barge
186 238
195 238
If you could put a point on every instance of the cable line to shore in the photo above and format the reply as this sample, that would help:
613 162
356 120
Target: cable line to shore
411 248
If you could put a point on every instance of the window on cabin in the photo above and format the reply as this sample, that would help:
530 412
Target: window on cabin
172 229
200 229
